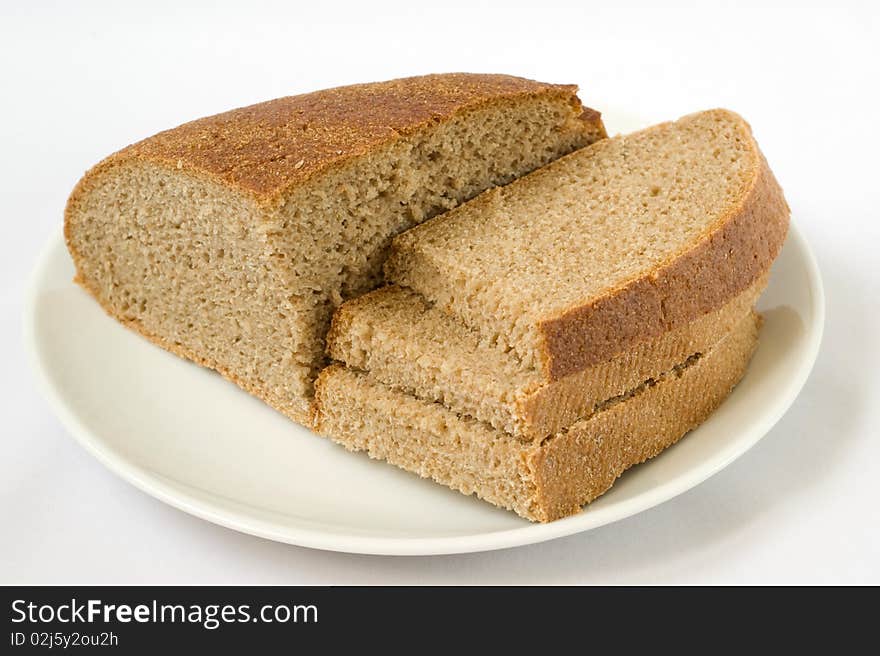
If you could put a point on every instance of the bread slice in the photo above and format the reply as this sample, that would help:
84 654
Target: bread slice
540 480
630 238
230 240
410 345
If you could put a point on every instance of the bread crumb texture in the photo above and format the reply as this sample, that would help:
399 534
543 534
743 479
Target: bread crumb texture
541 480
411 345
624 240
230 240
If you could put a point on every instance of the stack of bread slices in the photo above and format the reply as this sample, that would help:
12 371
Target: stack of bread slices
539 340
590 305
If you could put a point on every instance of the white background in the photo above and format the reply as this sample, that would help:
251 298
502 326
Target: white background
80 80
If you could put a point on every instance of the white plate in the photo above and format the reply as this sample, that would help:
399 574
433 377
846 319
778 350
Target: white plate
186 436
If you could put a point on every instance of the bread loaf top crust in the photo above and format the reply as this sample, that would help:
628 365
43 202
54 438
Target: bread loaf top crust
717 266
264 149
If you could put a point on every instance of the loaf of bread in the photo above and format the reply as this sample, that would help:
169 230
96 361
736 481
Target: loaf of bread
602 249
541 480
410 345
231 239
533 343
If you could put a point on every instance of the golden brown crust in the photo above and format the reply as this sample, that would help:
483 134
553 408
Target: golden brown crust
264 149
573 468
541 480
408 345
590 115
554 406
722 264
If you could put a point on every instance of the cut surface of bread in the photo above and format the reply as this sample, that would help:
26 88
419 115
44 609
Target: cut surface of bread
230 240
410 345
541 480
624 240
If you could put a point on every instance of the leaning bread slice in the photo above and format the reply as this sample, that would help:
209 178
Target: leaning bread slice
231 239
410 345
540 480
622 241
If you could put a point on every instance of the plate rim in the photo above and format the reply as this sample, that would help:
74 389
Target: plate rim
409 546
